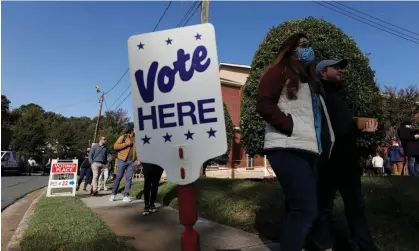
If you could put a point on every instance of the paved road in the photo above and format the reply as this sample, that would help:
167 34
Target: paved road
15 187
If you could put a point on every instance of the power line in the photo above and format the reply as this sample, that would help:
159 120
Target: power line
155 27
197 7
121 95
125 73
366 23
186 15
376 18
385 27
123 101
106 105
164 13
73 105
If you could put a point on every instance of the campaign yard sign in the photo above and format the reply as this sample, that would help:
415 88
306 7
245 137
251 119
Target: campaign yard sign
63 178
177 102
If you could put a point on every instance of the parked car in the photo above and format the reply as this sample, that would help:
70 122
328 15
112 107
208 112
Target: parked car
12 161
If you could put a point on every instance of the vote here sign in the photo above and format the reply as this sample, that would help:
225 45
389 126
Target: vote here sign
177 102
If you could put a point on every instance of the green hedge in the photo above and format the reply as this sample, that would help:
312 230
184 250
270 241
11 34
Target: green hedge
222 159
329 42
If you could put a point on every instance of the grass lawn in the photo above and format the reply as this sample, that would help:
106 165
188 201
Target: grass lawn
65 224
257 206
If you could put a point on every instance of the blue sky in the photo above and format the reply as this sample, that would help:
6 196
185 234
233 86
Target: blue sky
55 53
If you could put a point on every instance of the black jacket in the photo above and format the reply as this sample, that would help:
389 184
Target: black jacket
85 163
344 126
409 143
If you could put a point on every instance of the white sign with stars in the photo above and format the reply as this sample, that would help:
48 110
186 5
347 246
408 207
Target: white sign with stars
177 102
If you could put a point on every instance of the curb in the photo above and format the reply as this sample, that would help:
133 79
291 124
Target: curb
20 197
14 243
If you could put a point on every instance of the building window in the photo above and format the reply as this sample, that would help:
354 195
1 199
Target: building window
249 161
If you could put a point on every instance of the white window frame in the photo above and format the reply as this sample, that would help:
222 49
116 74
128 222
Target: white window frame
249 161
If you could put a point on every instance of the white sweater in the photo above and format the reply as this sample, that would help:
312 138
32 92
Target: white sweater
377 161
303 135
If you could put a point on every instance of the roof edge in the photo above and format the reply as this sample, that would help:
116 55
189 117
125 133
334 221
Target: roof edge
236 65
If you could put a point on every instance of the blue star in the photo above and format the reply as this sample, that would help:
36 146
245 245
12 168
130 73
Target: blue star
211 133
146 140
189 135
198 36
71 182
169 41
167 137
141 46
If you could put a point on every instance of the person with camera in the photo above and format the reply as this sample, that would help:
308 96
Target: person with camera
410 144
126 156
341 171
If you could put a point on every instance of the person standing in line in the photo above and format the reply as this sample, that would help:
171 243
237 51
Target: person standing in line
396 158
411 146
98 159
104 174
341 171
32 164
296 123
127 155
387 162
152 175
25 167
378 163
85 172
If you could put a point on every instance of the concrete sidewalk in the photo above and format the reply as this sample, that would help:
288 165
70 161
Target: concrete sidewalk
161 231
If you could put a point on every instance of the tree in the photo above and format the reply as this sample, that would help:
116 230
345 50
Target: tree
113 124
329 42
29 134
398 105
25 108
6 133
223 159
5 111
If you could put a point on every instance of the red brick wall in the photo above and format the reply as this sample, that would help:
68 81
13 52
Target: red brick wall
237 157
231 97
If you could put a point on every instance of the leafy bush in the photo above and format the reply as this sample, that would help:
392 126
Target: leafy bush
329 42
222 159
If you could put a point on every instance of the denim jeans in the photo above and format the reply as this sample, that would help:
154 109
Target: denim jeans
413 166
123 166
84 173
296 172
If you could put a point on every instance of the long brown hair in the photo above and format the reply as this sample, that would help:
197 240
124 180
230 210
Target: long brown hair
295 70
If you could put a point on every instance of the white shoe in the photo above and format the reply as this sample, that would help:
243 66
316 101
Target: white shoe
112 198
126 199
105 189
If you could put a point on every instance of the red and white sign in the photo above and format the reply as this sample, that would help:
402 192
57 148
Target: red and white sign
60 183
63 178
64 168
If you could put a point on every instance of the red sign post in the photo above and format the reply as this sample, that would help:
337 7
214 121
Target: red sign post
188 215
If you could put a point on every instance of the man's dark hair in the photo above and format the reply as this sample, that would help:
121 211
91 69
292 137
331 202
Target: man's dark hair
407 121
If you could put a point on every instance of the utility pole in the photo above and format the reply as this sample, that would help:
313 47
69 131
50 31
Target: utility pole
204 11
204 19
102 97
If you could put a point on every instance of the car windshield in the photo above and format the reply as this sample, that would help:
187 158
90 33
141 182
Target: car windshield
3 154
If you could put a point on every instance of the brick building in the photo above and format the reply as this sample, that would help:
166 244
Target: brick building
233 77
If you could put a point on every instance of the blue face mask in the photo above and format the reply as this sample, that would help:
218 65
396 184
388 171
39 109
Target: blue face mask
306 55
